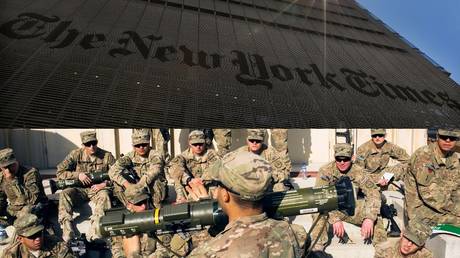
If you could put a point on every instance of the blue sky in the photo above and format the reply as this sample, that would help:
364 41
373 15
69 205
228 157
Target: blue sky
433 26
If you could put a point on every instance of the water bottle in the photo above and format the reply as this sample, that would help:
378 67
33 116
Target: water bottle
303 171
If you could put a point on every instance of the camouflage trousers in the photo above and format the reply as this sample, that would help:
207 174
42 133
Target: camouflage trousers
149 247
380 234
70 198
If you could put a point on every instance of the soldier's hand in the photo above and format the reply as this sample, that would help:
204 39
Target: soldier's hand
367 228
382 182
98 187
339 229
196 189
84 179
181 199
7 173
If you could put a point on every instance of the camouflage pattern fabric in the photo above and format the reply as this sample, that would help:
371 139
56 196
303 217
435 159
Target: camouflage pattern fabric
369 207
150 171
390 249
160 144
280 165
52 248
279 140
187 165
223 138
431 188
252 236
23 191
75 163
375 161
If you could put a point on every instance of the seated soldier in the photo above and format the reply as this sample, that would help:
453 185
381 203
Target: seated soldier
138 200
21 188
280 163
410 244
244 178
33 241
87 159
366 209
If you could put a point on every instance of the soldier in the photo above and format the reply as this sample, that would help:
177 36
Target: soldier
244 178
138 200
191 163
32 241
87 159
21 188
148 166
410 244
432 182
366 209
375 154
281 164
223 139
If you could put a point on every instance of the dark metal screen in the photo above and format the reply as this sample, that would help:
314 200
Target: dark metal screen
214 63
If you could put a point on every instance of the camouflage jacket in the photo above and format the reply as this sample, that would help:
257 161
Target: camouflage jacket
432 186
390 249
78 161
280 164
52 248
187 165
329 175
253 236
375 161
25 189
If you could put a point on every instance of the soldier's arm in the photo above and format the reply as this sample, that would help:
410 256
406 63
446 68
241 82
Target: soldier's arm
400 154
110 160
176 172
3 203
115 172
372 200
399 171
156 165
33 187
361 155
67 168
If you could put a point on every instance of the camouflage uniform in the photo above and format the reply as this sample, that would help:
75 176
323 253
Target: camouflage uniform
21 192
76 162
390 249
367 208
431 187
223 139
188 165
375 160
160 143
280 143
28 225
281 164
249 175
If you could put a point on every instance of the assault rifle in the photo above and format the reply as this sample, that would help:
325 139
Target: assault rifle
196 215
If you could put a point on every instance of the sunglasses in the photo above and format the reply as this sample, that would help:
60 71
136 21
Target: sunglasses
36 235
142 145
447 137
344 159
378 135
254 141
91 143
197 144
219 183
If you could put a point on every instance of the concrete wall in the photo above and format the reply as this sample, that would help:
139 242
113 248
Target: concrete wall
45 148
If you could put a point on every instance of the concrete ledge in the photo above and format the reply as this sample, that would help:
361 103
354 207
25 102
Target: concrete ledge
444 246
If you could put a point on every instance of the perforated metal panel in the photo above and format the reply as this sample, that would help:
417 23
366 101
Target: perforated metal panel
213 63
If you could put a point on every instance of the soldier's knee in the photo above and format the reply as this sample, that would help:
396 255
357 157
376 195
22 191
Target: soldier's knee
65 197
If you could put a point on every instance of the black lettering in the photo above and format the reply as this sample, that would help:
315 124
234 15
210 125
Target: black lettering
431 97
54 34
411 94
143 48
73 34
25 23
324 81
303 74
162 52
88 40
357 80
281 72
396 91
382 87
450 102
245 76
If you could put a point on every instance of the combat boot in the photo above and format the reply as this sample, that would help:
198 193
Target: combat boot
68 232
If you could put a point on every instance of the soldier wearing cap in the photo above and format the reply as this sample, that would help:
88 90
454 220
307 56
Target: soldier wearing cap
281 164
147 163
191 163
410 244
366 209
87 159
138 200
21 187
432 182
374 156
32 241
244 178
